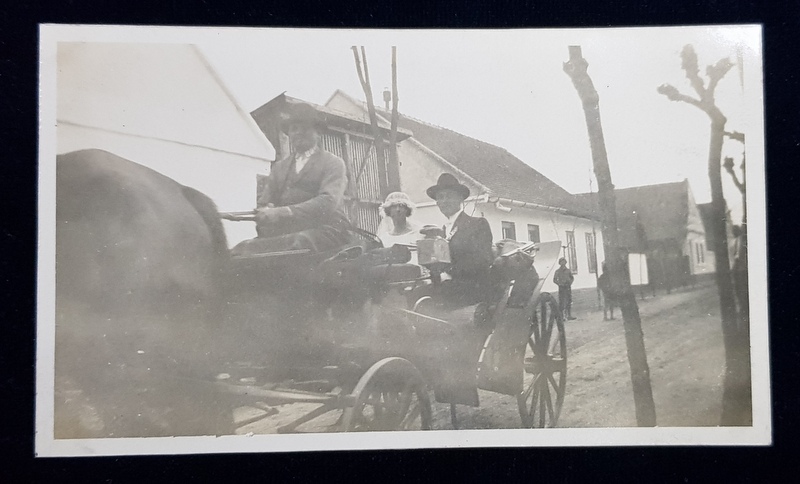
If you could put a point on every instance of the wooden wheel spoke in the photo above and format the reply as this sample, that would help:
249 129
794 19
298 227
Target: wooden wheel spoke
536 393
536 335
390 396
549 401
411 416
540 402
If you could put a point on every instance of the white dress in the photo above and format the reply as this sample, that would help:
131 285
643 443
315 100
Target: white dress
408 237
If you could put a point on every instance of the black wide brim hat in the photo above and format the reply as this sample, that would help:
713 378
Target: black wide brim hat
448 182
302 113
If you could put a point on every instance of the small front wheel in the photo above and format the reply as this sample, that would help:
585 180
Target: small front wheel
391 395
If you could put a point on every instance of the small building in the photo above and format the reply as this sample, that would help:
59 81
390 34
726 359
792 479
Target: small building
662 222
162 106
519 202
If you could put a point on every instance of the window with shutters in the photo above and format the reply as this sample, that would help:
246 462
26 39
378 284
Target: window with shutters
572 253
591 252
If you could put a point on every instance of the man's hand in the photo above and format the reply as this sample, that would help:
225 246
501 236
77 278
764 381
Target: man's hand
270 215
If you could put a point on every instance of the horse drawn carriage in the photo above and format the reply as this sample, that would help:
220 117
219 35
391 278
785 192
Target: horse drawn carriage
365 335
358 333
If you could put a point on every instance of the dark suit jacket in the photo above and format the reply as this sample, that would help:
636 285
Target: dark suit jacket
471 248
315 195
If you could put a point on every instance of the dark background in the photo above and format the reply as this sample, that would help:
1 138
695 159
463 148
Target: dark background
18 135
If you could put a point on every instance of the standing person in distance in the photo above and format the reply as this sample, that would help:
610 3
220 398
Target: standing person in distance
563 279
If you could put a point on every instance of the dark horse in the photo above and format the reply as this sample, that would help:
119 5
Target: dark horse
139 262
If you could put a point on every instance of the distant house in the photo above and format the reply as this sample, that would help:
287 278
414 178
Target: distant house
664 223
519 202
162 106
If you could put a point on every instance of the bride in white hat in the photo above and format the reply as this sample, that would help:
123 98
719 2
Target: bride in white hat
396 228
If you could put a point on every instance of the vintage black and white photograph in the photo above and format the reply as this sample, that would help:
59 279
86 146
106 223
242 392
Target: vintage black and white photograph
265 240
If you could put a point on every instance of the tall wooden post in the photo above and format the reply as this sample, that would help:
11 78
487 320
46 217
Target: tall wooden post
576 69
393 170
388 173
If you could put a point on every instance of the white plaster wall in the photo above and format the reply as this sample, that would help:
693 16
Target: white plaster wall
552 226
696 234
706 266
228 179
162 106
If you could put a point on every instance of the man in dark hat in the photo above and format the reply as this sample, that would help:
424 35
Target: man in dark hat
302 206
470 238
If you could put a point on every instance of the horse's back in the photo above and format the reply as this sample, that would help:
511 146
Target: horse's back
129 234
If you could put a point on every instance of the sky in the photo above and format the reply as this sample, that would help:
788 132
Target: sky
508 88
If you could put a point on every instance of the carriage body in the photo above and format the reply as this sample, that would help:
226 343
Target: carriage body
351 328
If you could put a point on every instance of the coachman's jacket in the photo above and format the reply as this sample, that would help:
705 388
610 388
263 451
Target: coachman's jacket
315 196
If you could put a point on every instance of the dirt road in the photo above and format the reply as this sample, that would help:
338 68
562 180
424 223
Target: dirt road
685 355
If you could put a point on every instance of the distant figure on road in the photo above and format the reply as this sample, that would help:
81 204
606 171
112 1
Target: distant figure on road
609 301
563 279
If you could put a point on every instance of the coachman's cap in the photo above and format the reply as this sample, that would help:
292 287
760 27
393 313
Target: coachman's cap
302 113
448 181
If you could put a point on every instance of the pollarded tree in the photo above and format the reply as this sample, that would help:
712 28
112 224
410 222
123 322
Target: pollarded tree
736 399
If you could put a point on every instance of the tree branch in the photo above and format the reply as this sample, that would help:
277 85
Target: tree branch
358 67
728 165
689 66
673 94
717 72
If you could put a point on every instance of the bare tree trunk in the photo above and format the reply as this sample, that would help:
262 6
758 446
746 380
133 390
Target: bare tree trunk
736 387
615 262
736 398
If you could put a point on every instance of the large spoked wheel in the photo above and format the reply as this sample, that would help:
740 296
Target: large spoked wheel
390 396
545 374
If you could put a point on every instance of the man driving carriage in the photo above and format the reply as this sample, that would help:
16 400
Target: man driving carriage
302 206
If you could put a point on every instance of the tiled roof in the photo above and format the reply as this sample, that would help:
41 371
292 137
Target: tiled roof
662 212
503 173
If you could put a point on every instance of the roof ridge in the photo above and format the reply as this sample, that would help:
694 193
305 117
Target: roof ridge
635 187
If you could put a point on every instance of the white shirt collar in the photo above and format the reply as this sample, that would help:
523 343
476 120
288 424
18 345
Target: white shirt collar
448 226
452 219
301 159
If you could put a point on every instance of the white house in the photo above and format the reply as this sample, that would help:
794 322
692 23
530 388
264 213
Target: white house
163 106
519 202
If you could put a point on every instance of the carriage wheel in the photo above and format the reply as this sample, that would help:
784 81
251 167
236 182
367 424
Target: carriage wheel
545 374
390 396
